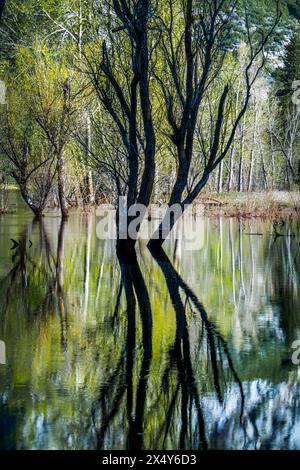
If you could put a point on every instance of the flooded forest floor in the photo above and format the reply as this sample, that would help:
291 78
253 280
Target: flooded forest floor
242 205
271 204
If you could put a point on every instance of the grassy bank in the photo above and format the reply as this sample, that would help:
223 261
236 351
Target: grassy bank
275 204
263 205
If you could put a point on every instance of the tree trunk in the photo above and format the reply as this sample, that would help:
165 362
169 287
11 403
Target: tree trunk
61 182
220 178
170 218
89 187
261 151
272 148
231 164
240 180
252 150
37 210
181 177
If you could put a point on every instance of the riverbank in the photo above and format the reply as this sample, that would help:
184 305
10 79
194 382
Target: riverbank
263 205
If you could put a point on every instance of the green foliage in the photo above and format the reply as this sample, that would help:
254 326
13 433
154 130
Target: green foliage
291 67
43 43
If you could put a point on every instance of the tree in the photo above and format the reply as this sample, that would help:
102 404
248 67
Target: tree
200 46
286 129
121 80
54 104
30 158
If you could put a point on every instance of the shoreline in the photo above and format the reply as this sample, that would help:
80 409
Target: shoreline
255 205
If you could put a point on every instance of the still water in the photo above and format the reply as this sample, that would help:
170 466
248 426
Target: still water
190 349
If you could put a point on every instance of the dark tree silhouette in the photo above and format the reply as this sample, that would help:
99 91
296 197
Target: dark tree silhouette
206 29
2 3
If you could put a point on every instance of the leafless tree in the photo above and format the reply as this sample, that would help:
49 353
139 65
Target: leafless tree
121 79
193 61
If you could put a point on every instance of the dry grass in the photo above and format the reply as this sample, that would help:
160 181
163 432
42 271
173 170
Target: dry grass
253 205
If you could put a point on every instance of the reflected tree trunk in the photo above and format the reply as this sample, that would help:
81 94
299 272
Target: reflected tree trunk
174 284
60 283
136 294
87 266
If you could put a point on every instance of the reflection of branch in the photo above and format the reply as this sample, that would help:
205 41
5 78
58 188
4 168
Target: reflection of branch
117 306
134 286
174 282
181 352
278 234
136 431
211 328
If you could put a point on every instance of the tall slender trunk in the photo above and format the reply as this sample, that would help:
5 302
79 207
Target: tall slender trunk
233 149
60 150
89 186
61 183
220 178
240 180
148 177
252 152
264 171
272 148
231 165
261 151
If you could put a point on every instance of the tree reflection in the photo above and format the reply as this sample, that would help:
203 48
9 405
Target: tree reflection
181 352
175 403
115 352
123 378
37 274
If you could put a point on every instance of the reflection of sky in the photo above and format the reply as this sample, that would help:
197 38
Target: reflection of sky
271 417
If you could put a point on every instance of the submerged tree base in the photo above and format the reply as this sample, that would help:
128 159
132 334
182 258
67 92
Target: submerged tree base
126 251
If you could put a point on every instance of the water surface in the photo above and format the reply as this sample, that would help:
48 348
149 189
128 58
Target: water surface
187 350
